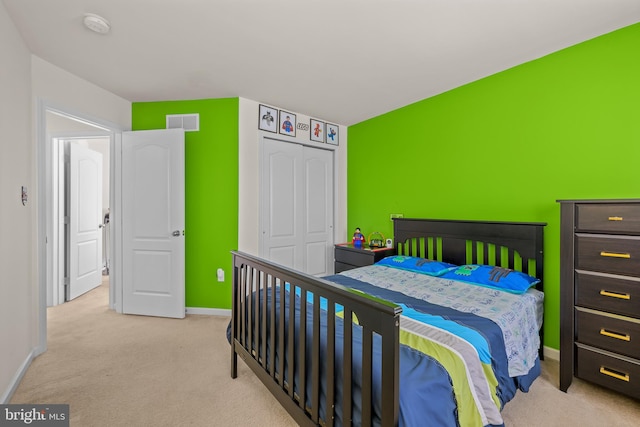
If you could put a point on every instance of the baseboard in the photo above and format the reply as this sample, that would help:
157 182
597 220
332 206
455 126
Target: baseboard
209 311
15 382
551 353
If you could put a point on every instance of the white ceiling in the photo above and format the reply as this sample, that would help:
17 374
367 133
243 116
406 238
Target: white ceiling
339 60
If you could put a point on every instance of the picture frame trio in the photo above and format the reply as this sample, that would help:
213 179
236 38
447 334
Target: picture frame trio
283 122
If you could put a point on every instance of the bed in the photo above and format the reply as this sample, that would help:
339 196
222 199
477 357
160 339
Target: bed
406 341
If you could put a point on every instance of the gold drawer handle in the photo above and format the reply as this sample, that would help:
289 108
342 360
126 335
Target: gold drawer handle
615 218
614 294
605 371
614 335
615 255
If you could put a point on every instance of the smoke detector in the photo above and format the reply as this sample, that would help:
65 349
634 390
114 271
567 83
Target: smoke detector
96 23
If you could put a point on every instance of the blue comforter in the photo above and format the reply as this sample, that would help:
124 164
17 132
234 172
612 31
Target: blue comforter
471 348
453 364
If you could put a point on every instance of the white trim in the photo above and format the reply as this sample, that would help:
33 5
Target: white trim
209 311
17 378
41 238
115 248
551 353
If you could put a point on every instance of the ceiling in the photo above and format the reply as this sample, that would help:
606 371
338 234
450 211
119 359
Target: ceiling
342 61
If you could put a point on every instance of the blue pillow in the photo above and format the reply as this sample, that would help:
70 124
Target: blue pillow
489 276
417 265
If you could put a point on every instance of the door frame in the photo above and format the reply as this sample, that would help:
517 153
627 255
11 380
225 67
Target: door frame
43 211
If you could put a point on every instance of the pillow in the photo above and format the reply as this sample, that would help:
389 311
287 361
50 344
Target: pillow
489 276
417 265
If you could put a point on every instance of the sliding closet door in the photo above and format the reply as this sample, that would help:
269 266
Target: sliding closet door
296 201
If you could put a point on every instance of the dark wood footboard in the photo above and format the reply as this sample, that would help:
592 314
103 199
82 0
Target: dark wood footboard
260 328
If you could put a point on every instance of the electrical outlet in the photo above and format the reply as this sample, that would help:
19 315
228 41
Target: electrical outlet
220 273
396 216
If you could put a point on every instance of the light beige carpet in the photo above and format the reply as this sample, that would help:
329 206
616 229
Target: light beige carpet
120 370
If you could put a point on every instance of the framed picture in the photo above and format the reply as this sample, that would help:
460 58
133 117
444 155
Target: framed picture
332 134
317 130
268 119
287 123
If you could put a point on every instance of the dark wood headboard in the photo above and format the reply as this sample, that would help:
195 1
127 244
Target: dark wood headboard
515 245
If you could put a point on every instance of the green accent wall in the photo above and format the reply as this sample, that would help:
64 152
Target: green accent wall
508 146
211 192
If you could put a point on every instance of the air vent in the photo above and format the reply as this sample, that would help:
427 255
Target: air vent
188 122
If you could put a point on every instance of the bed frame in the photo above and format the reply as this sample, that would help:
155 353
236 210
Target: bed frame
512 245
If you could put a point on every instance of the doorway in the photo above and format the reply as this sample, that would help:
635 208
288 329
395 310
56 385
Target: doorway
56 122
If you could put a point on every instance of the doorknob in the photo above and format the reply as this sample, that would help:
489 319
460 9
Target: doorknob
176 233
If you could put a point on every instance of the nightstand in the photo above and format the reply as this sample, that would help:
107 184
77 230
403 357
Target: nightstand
348 257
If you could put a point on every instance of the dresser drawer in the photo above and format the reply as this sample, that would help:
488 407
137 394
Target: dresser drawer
610 254
623 218
616 334
610 293
617 373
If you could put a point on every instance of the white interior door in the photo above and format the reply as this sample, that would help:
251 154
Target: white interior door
318 222
297 206
283 207
85 220
153 223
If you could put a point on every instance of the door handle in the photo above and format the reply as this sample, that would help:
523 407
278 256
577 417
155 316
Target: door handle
176 233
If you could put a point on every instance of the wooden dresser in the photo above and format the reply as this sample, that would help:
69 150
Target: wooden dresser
600 293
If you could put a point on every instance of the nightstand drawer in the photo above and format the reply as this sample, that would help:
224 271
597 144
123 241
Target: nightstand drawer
609 218
358 258
347 257
339 267
617 373
617 334
605 292
611 254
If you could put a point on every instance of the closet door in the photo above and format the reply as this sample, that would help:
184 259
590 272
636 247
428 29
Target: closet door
296 201
282 195
318 209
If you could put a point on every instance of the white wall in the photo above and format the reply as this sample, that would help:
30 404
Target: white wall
249 151
57 89
24 80
17 278
65 90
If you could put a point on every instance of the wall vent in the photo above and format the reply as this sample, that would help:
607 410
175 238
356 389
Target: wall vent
188 122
